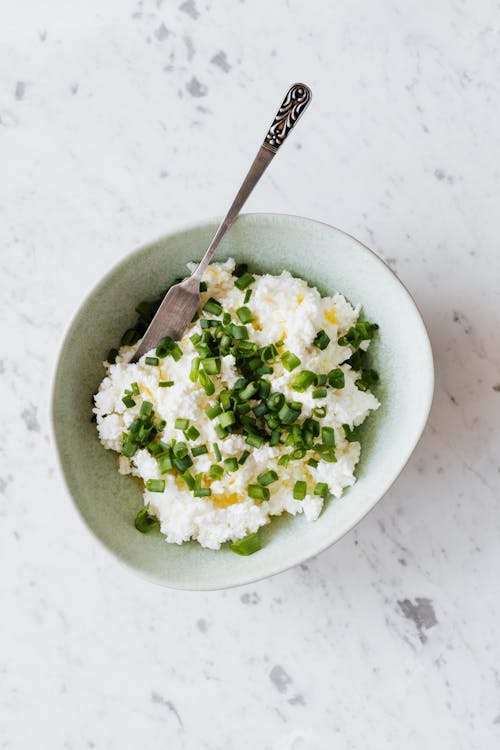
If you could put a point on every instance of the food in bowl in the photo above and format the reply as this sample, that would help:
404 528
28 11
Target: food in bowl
251 414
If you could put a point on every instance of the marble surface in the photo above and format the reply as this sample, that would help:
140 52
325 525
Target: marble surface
121 121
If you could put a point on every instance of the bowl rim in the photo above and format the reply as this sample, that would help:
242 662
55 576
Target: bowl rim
280 568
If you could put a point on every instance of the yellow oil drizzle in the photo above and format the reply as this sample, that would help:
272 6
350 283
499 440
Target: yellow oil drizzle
300 299
224 501
331 316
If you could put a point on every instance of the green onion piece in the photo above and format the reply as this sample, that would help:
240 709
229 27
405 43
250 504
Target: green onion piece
130 337
155 485
319 393
211 365
290 361
205 323
320 412
225 399
192 433
146 409
128 401
321 340
166 383
164 346
189 479
145 522
249 391
247 546
336 378
326 452
297 454
267 477
287 415
312 462
264 370
206 383
368 377
165 463
243 457
180 449
257 492
217 452
276 401
299 490
257 441
328 436
240 384
244 314
182 464
195 338
111 356
260 409
203 286
240 269
227 418
181 424
321 380
303 380
264 388
238 332
129 448
231 464
199 450
154 361
284 460
195 366
245 280
202 492
135 389
350 434
220 431
176 352
212 306
361 331
213 411
248 294
275 438
216 472
321 489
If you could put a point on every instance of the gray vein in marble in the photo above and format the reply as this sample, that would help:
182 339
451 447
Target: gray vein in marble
421 614
189 7
30 418
280 678
220 59
196 88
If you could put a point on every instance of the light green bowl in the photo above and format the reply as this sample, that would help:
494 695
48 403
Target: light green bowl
325 257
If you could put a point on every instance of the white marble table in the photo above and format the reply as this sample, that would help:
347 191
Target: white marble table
120 121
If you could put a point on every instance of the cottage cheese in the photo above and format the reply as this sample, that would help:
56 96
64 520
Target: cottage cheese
284 308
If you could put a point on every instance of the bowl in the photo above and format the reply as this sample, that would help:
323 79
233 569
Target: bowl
327 258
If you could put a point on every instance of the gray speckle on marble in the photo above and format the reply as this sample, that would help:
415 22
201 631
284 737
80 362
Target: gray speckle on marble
196 88
220 59
42 35
441 176
3 485
30 419
190 50
20 90
202 625
280 678
250 598
161 33
189 7
297 700
422 614
160 700
74 88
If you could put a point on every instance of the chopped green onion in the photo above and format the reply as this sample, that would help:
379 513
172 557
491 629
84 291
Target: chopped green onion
321 380
328 436
182 464
350 434
299 490
212 306
166 383
195 366
240 269
145 522
321 340
303 380
227 419
130 337
368 377
238 332
129 448
111 356
135 389
165 463
216 472
199 450
176 352
146 409
312 462
189 479
260 409
243 457
207 384
180 449
181 424
257 492
336 378
276 401
231 464
320 412
213 411
154 361
249 391
360 331
284 460
164 346
264 388
287 415
203 286
155 485
321 489
257 441
290 361
217 452
245 280
128 401
326 452
244 314
220 431
192 433
297 454
195 338
225 399
202 492
211 365
248 294
319 393
247 546
267 477
275 438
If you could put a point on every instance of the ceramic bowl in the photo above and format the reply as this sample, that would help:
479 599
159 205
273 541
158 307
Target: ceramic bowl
325 257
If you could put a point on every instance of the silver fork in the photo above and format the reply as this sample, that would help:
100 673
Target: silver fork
181 301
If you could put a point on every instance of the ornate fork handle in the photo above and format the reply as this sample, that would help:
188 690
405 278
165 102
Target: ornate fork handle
294 103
